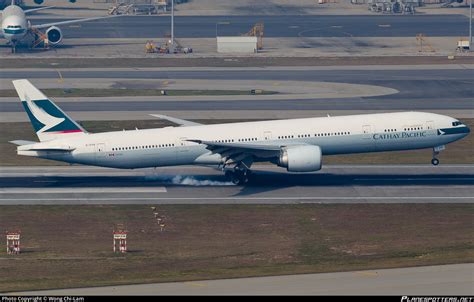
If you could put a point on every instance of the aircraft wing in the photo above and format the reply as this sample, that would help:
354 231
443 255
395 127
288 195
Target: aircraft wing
37 9
71 21
235 152
181 122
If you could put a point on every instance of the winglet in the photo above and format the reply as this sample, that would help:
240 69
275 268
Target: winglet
181 122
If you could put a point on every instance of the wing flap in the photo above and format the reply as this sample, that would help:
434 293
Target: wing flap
241 146
240 152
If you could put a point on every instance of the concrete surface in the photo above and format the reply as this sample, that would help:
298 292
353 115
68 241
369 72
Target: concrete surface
273 47
268 185
442 280
275 26
7 117
444 89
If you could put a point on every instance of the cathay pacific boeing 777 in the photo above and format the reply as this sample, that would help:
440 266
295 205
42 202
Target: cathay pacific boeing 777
299 145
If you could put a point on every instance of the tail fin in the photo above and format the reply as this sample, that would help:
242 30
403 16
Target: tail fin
48 120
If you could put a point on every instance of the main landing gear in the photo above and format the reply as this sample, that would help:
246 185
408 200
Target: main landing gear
238 175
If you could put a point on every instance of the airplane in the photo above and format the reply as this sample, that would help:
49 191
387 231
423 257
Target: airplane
295 144
16 27
4 3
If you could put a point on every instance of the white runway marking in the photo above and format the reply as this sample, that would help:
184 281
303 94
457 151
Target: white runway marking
305 198
70 190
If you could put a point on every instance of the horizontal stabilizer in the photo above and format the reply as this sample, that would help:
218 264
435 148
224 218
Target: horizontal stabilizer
40 147
22 142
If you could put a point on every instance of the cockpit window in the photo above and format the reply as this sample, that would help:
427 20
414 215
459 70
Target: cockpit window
457 123
13 26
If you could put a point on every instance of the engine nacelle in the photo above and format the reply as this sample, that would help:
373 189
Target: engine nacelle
301 158
54 35
38 1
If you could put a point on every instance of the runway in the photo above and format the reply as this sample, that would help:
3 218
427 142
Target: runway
275 26
268 185
439 280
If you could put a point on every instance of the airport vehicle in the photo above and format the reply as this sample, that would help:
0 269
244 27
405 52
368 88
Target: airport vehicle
16 28
296 144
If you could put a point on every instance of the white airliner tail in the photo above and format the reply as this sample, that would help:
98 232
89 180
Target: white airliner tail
48 120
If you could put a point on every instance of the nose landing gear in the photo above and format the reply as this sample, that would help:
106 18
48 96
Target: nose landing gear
13 47
436 151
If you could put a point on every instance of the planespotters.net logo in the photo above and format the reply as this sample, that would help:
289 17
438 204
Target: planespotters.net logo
437 299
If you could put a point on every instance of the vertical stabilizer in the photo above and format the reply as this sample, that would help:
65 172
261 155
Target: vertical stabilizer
48 120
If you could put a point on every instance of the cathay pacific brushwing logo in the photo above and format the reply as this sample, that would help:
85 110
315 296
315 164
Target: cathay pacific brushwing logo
42 116
441 132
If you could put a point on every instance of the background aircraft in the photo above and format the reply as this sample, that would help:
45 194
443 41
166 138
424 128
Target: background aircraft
4 3
16 28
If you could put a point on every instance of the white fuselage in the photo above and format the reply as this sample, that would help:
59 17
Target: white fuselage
14 24
334 135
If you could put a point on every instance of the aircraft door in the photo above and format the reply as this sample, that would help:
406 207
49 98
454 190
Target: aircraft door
367 131
267 135
430 125
182 150
367 137
99 152
182 143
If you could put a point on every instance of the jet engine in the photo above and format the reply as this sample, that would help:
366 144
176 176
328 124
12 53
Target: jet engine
38 1
54 35
301 158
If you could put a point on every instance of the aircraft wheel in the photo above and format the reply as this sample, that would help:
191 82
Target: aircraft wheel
237 177
435 161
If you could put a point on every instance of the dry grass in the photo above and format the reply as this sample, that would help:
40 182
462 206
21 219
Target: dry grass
460 152
71 246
